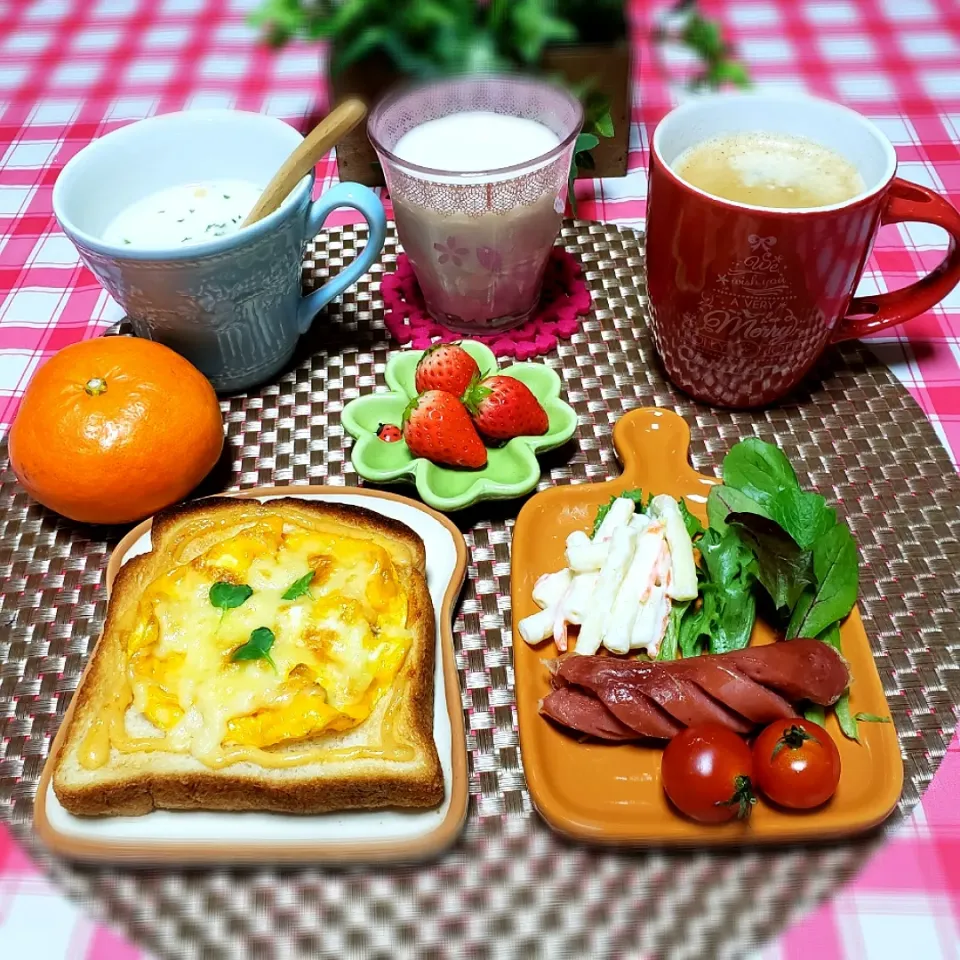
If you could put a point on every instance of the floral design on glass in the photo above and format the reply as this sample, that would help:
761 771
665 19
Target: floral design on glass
489 259
449 251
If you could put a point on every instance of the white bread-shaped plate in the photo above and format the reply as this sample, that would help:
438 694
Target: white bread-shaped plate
355 836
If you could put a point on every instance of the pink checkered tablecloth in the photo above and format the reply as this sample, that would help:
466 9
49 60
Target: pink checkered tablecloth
72 70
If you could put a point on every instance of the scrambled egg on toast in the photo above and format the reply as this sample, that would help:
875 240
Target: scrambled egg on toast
275 657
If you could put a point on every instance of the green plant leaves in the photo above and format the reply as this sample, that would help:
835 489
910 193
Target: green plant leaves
704 37
425 39
585 142
299 587
726 71
597 123
529 25
226 596
603 123
257 647
597 119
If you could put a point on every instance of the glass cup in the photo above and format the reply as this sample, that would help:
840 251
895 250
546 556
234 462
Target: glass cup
478 242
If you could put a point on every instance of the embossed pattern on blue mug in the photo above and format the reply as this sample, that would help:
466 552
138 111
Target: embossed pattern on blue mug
231 304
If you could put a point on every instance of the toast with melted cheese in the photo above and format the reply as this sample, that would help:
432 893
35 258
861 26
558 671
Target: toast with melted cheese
190 705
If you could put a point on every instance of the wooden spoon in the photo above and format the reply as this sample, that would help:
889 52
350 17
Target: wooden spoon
330 130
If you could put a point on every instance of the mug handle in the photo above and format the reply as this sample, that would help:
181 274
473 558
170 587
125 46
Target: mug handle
365 201
907 201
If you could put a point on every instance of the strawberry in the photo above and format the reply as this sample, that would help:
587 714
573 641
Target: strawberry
446 366
503 408
437 426
389 432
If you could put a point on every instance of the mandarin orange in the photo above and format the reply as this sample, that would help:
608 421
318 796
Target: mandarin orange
113 429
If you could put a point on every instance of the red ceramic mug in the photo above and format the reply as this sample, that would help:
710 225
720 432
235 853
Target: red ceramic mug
744 299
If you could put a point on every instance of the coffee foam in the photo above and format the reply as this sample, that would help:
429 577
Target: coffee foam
774 169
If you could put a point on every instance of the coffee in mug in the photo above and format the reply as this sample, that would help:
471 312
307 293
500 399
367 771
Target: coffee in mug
745 296
770 170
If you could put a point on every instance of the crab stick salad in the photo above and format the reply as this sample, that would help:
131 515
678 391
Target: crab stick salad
618 585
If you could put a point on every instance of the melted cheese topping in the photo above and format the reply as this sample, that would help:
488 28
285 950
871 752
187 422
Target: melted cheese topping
336 653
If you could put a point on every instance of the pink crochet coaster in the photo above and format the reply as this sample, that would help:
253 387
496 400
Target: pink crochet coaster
564 299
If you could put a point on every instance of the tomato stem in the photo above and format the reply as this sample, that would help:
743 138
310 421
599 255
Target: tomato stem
743 797
794 738
95 386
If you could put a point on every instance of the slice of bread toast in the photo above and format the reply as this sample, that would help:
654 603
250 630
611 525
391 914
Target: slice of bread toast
357 768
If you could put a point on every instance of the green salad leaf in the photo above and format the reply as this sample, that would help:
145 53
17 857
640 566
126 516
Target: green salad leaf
723 500
766 533
804 515
871 718
726 558
783 568
815 713
723 619
604 509
836 575
845 720
759 470
692 523
670 646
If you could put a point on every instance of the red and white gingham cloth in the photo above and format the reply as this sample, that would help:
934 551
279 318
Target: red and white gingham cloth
71 70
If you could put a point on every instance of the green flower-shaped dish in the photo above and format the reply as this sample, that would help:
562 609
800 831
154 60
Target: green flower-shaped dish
511 471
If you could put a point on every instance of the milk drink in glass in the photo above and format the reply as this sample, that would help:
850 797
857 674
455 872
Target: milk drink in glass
477 169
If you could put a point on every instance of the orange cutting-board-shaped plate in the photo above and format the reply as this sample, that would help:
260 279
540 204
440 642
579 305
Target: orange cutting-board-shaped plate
612 792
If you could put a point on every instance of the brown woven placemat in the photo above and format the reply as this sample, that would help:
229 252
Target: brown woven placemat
510 888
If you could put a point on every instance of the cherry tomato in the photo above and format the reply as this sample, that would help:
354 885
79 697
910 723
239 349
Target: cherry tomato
389 432
707 773
797 764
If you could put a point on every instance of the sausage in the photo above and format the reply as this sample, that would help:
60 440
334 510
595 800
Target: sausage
801 669
638 711
580 711
728 685
739 689
615 681
688 703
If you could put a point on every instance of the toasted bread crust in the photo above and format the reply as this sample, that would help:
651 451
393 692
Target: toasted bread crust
360 518
312 788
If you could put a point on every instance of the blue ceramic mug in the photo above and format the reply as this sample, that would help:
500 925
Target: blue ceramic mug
231 305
